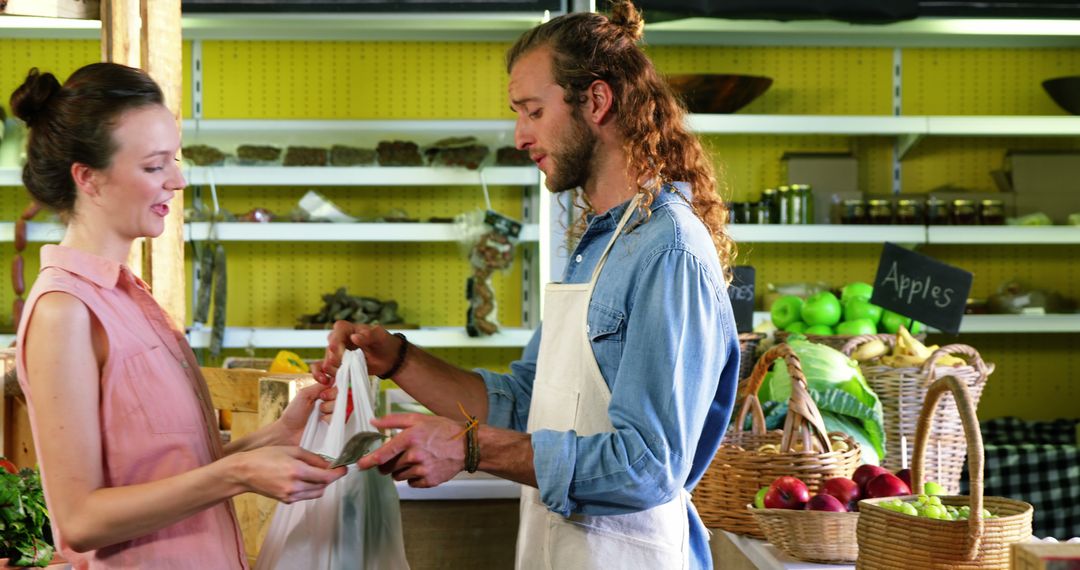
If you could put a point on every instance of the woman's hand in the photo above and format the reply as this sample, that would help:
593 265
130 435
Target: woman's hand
294 419
287 474
379 346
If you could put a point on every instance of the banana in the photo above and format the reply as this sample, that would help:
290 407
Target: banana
902 361
912 345
870 350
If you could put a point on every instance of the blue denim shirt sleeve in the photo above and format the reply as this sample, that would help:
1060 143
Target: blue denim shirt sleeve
661 394
509 395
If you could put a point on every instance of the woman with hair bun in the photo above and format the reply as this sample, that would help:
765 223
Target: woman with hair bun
134 470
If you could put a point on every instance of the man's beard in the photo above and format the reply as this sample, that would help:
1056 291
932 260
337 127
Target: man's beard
573 157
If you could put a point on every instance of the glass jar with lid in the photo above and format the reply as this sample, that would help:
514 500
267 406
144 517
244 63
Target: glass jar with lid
853 211
992 212
783 201
879 212
964 213
936 212
769 208
803 204
908 212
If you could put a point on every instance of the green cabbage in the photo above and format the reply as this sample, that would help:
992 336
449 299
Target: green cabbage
838 388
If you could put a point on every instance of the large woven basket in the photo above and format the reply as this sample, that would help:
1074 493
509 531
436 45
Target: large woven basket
813 536
738 469
889 540
902 392
748 344
836 341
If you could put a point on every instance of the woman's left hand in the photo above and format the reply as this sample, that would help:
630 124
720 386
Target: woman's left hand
295 418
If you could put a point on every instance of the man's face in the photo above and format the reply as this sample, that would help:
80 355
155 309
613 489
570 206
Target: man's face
555 134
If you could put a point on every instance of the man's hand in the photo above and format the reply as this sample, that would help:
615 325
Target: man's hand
379 346
428 452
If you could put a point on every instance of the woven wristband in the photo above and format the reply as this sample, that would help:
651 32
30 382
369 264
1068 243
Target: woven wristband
472 450
400 357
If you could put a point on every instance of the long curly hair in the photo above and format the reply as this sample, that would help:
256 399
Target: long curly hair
659 148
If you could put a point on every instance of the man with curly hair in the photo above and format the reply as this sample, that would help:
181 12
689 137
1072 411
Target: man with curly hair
620 400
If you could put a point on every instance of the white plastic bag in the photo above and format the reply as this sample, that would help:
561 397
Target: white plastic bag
356 524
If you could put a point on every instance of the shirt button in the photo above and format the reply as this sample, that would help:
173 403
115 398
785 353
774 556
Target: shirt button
578 258
588 329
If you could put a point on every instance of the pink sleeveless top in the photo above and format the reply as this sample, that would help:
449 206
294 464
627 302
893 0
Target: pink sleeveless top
155 413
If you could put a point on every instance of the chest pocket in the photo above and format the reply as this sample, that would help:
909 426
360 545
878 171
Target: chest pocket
607 331
162 391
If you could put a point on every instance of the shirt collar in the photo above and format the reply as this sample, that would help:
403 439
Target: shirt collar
94 268
673 192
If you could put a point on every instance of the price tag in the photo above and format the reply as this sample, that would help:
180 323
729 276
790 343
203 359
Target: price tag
741 293
922 288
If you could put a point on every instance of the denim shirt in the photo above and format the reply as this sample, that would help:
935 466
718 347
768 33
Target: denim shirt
663 333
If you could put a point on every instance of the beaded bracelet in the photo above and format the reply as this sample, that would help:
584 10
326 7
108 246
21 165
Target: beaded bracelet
400 357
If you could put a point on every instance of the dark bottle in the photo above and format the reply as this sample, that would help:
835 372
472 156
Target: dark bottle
853 212
937 212
879 212
964 213
908 212
992 213
769 206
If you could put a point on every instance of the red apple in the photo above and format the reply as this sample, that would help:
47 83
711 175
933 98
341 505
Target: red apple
822 502
865 473
787 493
905 476
886 485
844 490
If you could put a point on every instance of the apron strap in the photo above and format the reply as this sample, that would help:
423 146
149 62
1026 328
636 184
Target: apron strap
622 223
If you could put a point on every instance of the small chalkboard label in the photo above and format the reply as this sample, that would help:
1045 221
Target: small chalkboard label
741 293
922 288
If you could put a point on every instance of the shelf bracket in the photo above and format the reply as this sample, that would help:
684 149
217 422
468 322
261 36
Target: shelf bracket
905 143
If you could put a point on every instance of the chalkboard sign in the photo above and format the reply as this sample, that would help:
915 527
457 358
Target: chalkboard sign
741 293
921 287
371 5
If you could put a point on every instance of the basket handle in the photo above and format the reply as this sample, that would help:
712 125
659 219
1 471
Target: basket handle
929 370
975 450
802 412
856 341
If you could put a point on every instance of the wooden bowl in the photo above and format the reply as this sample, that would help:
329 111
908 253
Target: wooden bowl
1065 91
718 93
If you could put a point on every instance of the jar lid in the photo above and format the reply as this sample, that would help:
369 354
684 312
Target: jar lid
800 186
769 191
993 202
879 202
854 202
783 189
906 202
962 202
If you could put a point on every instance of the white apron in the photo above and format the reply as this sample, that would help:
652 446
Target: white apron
569 393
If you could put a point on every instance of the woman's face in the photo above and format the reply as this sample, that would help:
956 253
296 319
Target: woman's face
136 188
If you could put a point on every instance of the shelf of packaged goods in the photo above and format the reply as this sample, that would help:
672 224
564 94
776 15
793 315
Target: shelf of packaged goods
360 176
823 233
325 232
1000 324
426 337
1003 235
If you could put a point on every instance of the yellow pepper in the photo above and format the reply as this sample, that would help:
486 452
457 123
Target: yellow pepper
288 363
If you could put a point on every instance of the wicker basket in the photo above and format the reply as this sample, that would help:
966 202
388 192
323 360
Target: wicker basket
832 341
738 469
894 541
813 536
902 392
748 344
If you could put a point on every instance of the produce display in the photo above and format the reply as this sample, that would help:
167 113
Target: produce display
930 507
839 494
825 314
341 306
25 534
906 351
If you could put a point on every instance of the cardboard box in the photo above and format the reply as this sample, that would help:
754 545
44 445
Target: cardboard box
1045 556
833 177
1045 182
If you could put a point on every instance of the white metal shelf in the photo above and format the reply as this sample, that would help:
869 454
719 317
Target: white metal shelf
1003 324
1003 235
326 232
359 176
884 125
821 233
426 337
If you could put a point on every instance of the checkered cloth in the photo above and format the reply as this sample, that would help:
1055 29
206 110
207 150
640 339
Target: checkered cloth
1036 462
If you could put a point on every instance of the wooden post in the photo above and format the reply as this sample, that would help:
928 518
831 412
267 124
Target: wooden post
146 34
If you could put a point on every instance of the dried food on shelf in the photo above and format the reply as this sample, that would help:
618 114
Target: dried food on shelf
305 156
258 215
341 306
258 154
510 156
204 155
341 155
457 151
399 153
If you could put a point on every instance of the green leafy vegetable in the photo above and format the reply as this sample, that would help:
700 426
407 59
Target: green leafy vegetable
837 387
24 520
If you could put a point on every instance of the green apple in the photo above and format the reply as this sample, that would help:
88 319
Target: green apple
759 498
786 310
855 309
821 309
821 330
856 290
797 327
856 327
932 488
890 323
